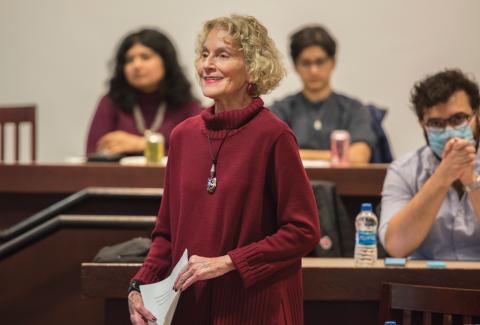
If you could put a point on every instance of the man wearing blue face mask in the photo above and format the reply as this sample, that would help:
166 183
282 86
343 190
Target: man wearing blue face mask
431 197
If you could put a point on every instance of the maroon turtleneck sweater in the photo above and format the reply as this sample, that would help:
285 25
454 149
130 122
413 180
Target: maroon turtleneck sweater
109 117
263 215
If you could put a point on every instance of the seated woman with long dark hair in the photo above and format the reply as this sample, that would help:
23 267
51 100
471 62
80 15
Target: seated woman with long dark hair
148 91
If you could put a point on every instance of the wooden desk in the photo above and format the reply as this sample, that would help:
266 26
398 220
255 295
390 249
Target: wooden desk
335 292
364 180
72 178
43 185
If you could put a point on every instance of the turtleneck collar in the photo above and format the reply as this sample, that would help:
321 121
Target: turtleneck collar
149 99
217 125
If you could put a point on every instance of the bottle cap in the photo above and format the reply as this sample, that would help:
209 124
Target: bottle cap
366 207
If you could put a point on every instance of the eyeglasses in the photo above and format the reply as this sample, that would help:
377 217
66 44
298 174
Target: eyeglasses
456 121
306 64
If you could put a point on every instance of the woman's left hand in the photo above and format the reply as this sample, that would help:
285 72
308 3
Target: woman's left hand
202 268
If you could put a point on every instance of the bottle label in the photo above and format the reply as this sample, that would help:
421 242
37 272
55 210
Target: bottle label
366 238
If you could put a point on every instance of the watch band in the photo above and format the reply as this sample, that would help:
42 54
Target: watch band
472 186
134 286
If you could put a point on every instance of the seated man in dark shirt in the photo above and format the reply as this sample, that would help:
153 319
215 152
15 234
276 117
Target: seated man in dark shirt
316 111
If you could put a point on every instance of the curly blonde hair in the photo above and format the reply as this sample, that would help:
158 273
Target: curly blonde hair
250 37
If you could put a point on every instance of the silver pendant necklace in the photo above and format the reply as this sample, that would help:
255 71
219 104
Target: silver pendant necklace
212 180
157 121
317 118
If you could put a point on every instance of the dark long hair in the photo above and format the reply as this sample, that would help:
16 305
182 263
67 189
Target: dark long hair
174 87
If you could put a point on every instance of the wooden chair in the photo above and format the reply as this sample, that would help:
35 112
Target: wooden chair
428 305
17 115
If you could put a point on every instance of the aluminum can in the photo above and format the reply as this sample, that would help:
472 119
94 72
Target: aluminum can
154 147
339 144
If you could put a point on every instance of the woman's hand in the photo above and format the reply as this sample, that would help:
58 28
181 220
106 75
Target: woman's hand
203 268
139 315
120 141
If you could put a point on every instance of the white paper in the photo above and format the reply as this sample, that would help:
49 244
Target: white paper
307 163
160 298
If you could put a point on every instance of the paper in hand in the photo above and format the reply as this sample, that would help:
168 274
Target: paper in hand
160 298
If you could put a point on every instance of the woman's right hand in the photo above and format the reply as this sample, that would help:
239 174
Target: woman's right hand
139 315
120 141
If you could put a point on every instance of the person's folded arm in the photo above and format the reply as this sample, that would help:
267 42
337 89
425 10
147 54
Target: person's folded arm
359 153
310 154
409 227
362 137
103 122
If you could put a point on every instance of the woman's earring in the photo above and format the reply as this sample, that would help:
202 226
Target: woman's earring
252 89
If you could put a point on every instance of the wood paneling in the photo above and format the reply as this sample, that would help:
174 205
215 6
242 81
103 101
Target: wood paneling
41 284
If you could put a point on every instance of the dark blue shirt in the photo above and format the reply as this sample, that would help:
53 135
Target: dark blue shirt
336 112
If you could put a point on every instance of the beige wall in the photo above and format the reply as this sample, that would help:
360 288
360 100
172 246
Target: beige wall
55 52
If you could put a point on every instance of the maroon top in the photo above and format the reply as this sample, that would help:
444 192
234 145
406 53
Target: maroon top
263 215
109 117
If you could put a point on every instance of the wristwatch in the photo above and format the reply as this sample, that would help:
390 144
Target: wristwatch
472 186
134 286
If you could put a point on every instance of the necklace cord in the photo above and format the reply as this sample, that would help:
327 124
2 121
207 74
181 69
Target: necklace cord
215 158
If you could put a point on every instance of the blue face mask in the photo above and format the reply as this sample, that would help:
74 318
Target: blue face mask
438 140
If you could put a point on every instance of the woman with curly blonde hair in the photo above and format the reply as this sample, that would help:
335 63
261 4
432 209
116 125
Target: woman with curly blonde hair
236 194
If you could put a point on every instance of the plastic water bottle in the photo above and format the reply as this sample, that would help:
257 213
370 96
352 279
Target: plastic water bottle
366 236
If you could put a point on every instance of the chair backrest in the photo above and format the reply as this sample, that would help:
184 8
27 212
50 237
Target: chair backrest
381 152
428 305
336 228
18 115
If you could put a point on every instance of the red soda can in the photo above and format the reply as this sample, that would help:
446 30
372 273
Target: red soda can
339 144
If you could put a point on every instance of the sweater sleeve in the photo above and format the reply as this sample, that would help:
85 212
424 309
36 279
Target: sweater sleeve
103 122
297 218
359 126
158 260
